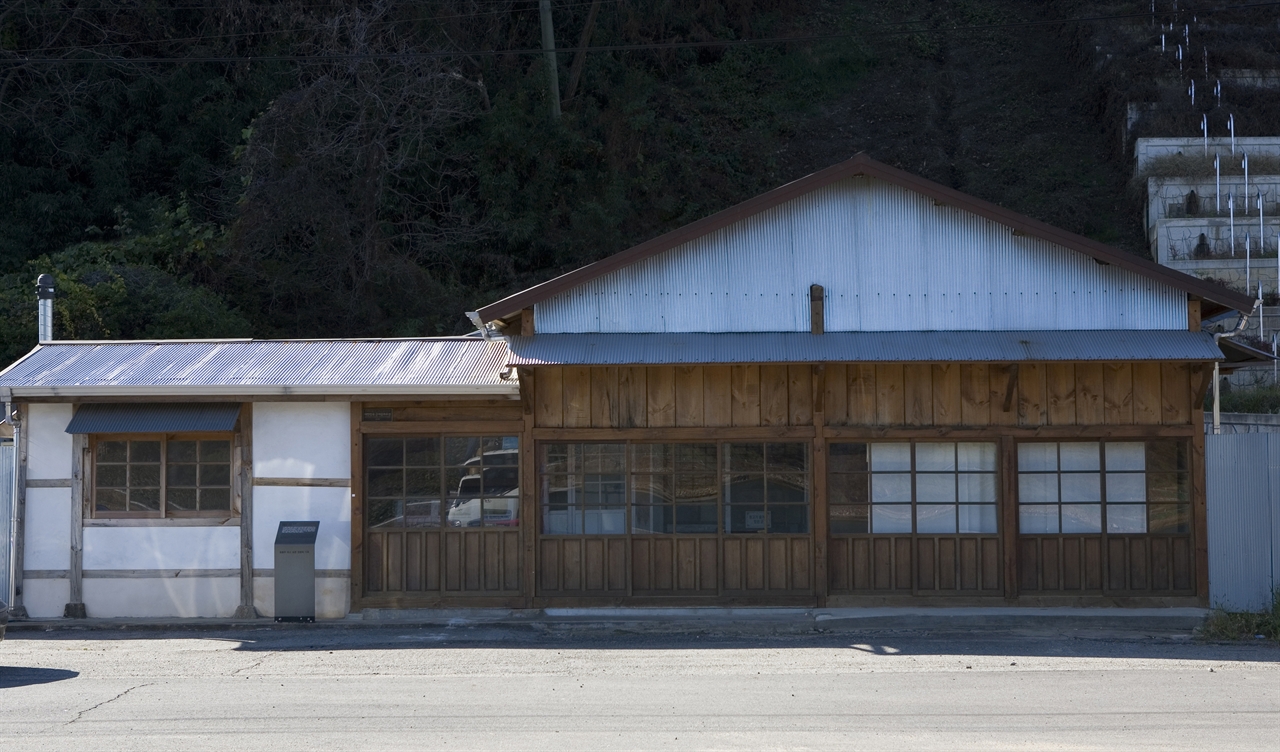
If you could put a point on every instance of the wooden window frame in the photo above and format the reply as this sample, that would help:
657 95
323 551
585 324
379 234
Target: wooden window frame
164 439
629 471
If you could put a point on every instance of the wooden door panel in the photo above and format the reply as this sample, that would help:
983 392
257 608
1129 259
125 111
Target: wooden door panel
906 564
1114 564
409 562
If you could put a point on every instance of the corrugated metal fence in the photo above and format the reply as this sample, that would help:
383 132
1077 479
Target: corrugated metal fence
6 521
1243 478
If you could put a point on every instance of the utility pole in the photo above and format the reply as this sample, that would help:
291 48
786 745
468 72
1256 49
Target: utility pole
549 53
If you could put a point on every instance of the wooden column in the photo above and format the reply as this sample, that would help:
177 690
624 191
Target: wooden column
1199 508
244 452
1009 514
75 574
20 510
528 484
357 505
819 484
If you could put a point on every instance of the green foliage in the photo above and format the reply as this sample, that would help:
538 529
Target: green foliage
1259 399
1229 625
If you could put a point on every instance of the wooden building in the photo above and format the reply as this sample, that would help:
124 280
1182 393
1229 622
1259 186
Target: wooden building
859 388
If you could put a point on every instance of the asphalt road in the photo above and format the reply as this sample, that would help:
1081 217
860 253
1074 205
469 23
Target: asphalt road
510 689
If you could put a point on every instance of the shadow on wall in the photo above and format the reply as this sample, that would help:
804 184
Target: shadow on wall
21 676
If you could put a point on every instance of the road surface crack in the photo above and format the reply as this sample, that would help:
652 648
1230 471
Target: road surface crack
104 702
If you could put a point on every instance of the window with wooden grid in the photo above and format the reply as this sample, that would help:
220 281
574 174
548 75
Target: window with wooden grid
1088 487
430 481
162 476
926 488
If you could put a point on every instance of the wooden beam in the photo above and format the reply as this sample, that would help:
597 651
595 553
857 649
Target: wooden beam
79 454
17 608
244 492
303 482
526 322
817 317
357 507
1010 388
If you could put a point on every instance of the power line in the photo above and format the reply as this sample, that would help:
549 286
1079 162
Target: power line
713 43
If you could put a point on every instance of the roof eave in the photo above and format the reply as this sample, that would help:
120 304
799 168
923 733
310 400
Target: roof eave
233 390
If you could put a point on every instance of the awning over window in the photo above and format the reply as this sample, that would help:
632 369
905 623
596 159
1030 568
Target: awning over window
154 418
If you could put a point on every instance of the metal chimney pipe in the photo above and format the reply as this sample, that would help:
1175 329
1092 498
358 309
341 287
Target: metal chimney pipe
44 298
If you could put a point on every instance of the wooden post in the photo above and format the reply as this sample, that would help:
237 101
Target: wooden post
75 606
1199 507
246 609
17 609
817 316
820 504
357 505
528 485
1008 467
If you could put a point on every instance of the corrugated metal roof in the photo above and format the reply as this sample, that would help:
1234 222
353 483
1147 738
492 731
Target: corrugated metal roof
463 365
882 347
890 259
161 417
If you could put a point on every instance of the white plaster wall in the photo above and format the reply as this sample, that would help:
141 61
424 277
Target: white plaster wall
46 599
301 440
47 530
330 506
171 596
333 597
48 443
162 548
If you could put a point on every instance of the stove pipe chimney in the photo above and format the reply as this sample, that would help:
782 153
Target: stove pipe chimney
44 298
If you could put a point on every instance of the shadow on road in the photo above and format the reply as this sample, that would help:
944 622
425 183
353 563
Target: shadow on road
21 676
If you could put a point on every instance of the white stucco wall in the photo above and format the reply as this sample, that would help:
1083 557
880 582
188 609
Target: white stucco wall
48 443
302 439
333 596
46 599
181 597
330 506
162 547
47 530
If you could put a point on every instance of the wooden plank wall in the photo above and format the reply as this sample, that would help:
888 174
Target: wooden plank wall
893 394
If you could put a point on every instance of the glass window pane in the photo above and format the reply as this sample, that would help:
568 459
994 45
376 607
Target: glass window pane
215 475
935 518
1169 518
144 476
183 476
847 520
144 499
182 451
889 457
385 452
385 513
1078 455
849 489
652 519
112 476
463 512
696 518
109 500
215 499
745 518
1167 456
459 449
890 518
976 456
1126 518
503 511
744 489
847 458
604 490
385 483
422 481
1168 487
422 513
1037 457
786 489
651 458
1126 455
144 451
424 452
935 457
556 458
789 518
113 451
215 451
651 489
561 489
977 518
462 481
1126 487
785 457
604 458
1082 518
1081 487
976 487
890 487
1037 520
181 499
940 487
745 458
695 458
695 488
604 521
558 519
500 480
1038 488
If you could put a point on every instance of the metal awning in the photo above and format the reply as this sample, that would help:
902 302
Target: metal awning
865 347
122 417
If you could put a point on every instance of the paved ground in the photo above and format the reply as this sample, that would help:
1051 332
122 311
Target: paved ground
511 688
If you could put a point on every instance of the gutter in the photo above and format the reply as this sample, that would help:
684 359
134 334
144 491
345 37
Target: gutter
1217 379
23 392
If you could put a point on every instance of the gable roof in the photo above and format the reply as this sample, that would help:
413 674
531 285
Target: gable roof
1220 298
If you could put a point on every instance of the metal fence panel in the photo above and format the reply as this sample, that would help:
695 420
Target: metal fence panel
1243 501
6 522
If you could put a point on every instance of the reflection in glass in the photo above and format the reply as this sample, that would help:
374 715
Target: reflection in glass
1081 518
1037 520
935 518
977 518
1126 518
890 518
